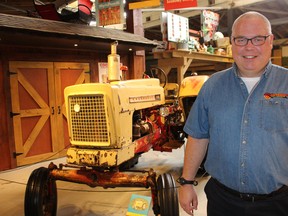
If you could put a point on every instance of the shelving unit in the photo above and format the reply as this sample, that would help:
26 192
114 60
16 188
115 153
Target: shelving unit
182 60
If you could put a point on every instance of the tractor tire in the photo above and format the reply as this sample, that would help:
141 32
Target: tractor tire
40 194
167 195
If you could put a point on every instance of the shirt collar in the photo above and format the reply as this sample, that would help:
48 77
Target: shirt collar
266 71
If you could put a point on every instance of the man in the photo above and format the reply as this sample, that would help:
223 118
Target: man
242 113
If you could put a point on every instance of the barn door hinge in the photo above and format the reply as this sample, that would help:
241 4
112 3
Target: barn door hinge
11 73
15 154
13 114
87 72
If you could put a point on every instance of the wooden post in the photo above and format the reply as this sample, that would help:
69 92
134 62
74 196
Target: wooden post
134 25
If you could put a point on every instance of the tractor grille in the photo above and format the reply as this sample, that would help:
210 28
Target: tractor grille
88 119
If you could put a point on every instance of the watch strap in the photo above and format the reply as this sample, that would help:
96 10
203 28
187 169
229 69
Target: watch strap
183 181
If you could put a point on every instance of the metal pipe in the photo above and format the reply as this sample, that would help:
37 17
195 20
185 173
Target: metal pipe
105 179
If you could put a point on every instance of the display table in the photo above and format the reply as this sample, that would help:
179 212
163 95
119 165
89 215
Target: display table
182 60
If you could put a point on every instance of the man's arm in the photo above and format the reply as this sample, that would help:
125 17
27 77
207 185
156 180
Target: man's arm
194 154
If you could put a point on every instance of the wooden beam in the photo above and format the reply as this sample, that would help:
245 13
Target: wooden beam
182 60
172 62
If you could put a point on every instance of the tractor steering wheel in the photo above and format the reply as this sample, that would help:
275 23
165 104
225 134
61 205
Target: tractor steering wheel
156 72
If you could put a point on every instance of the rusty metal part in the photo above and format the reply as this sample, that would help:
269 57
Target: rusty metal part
94 178
108 179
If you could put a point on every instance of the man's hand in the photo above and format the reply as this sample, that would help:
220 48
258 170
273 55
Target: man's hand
188 198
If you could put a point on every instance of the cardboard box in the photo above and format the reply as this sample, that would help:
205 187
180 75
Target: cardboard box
223 42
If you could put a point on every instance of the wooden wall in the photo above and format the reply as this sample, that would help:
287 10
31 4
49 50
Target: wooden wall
5 147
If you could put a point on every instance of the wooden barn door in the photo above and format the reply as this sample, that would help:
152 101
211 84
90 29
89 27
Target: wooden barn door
67 74
37 107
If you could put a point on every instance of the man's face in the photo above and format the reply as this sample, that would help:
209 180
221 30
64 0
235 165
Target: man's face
250 59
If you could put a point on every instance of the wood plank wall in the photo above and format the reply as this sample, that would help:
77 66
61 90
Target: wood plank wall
5 151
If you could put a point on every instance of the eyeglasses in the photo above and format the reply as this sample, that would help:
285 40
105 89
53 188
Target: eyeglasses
256 41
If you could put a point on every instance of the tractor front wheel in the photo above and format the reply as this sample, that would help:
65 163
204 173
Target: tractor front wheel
41 194
167 195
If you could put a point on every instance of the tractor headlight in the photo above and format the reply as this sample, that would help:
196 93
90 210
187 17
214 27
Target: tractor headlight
77 108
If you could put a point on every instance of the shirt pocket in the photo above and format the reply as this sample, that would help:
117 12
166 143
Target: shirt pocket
274 114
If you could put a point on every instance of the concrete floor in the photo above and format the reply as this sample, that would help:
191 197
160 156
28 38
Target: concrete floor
81 200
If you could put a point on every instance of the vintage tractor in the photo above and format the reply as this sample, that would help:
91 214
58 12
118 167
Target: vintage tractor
110 125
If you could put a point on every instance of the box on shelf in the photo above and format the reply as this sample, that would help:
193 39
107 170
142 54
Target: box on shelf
223 42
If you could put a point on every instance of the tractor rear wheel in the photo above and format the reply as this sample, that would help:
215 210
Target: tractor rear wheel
167 195
41 194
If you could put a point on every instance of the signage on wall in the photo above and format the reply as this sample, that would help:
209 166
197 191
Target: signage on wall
174 28
177 4
109 12
103 72
210 22
144 4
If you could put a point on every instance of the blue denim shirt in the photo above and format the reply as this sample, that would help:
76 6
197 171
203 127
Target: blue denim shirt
248 133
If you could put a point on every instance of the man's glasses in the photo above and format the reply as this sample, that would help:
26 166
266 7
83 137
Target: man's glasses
256 41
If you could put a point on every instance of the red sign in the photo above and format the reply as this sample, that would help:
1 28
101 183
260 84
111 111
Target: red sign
176 4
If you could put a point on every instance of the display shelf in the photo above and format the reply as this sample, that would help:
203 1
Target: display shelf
183 59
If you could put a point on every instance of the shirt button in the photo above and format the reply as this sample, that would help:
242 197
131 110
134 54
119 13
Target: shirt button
242 164
245 121
244 142
243 183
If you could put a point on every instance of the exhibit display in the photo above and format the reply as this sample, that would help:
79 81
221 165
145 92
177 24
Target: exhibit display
110 125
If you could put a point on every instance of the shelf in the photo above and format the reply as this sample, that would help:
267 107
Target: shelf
183 59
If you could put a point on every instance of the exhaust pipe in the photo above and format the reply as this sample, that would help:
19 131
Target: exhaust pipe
114 72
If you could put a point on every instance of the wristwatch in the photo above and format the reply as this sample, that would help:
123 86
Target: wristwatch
183 181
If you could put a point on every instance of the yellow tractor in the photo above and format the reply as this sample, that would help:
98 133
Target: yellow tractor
110 125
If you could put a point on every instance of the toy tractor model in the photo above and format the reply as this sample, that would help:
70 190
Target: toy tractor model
110 125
